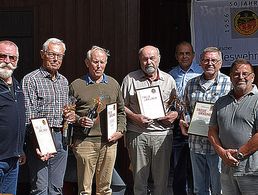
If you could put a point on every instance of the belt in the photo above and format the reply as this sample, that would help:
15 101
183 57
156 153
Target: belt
57 129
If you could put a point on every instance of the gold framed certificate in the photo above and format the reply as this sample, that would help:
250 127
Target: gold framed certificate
150 102
111 119
43 135
199 124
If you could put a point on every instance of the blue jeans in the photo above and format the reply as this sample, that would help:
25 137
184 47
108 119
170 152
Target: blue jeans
206 173
9 175
46 177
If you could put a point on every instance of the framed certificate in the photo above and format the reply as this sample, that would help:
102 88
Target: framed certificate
43 135
150 102
111 119
200 120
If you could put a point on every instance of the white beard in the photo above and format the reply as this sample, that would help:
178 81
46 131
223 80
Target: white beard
6 73
150 69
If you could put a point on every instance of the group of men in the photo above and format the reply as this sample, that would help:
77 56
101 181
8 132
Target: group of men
155 145
45 93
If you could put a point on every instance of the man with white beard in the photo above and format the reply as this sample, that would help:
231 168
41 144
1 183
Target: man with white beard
149 141
12 115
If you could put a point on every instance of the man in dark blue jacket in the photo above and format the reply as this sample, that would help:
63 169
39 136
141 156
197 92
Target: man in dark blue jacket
12 119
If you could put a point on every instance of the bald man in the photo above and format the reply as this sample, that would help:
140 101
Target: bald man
149 141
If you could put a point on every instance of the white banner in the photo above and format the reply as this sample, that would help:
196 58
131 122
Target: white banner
229 25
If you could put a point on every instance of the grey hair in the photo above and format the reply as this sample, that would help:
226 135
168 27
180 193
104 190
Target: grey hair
140 51
7 42
94 48
211 49
54 41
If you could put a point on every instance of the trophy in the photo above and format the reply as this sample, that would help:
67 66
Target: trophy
92 113
180 106
176 105
67 125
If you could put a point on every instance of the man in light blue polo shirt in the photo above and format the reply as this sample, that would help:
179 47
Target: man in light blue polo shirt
180 159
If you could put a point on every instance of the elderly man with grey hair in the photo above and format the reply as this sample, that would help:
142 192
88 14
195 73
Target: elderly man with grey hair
94 149
12 123
46 94
206 88
149 140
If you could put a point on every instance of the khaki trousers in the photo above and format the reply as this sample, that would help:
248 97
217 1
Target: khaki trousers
95 157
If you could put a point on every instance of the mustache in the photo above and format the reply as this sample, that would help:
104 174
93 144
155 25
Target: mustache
9 65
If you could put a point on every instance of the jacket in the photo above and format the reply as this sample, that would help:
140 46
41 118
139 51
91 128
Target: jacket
12 120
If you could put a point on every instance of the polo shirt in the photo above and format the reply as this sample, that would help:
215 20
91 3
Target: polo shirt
237 121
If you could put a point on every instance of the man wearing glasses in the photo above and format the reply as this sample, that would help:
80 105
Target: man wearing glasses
12 115
233 132
206 88
46 94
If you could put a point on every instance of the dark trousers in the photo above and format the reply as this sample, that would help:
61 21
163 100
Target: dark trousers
46 177
180 169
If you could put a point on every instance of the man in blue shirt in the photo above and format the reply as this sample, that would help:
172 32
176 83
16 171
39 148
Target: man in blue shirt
180 159
186 68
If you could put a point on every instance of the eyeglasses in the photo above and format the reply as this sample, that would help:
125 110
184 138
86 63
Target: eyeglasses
244 75
207 61
52 55
11 57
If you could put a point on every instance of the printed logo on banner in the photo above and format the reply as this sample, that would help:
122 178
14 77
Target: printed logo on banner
232 26
244 23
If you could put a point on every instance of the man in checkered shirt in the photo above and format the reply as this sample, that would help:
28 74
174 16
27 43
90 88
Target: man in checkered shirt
46 95
207 87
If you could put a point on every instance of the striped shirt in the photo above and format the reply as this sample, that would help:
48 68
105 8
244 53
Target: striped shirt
199 89
45 97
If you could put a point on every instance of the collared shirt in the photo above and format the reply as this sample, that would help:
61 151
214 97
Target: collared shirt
182 77
88 80
137 80
196 90
88 92
237 121
45 97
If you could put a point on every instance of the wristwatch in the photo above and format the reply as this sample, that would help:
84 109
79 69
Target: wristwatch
239 156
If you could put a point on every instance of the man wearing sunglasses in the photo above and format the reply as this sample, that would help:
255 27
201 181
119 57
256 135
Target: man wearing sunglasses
12 115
